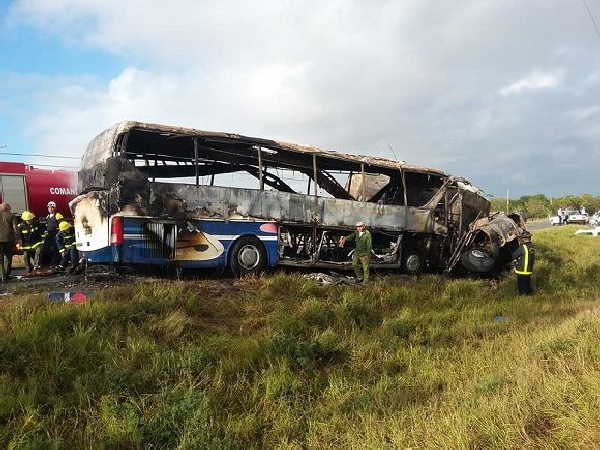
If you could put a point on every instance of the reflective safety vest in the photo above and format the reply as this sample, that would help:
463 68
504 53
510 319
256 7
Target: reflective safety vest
524 257
65 241
30 235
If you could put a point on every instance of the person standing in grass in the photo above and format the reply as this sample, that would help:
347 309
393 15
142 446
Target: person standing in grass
7 239
524 257
362 251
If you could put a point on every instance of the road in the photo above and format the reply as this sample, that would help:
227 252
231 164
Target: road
535 226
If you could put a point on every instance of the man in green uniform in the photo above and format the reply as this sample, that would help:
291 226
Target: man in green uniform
362 252
7 240
524 257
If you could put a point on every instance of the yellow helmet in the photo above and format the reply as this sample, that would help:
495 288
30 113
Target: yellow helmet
58 216
64 225
27 215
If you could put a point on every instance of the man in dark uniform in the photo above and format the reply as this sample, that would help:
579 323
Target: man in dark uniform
524 257
50 251
30 235
362 252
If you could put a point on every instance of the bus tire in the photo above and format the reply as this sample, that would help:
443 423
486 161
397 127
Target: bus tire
478 260
247 256
412 263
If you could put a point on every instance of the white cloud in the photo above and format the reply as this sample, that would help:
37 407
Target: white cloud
585 113
535 81
348 75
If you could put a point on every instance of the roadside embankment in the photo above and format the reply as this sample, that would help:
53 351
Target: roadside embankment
282 362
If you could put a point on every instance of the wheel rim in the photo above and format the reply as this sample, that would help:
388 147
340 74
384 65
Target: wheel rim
248 257
479 254
413 263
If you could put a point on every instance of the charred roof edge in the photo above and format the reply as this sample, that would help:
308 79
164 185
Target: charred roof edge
99 148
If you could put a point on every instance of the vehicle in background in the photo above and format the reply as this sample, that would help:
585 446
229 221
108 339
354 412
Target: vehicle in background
163 195
29 188
573 216
595 219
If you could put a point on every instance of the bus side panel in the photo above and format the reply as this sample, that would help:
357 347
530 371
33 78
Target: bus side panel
101 256
147 241
194 244
228 232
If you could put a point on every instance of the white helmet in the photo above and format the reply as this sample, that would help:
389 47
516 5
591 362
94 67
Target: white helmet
51 203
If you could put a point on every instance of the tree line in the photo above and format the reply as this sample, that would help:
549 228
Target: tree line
538 205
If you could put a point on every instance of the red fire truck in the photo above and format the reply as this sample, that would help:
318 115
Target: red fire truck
27 187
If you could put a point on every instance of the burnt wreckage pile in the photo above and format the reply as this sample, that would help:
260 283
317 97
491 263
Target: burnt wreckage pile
420 218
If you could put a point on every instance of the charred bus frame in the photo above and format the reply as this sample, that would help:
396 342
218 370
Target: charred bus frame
419 217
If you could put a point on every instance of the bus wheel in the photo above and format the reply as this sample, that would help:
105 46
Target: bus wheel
413 263
248 256
478 260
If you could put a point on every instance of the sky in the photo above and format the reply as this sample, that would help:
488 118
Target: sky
505 93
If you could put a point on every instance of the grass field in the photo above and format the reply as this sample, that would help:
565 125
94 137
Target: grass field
280 362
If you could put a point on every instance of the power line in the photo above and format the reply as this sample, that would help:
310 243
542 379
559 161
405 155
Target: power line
589 11
52 165
38 155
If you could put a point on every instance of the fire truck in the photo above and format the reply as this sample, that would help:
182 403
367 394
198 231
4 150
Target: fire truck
26 187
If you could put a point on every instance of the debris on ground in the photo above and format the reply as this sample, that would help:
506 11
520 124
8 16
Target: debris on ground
333 278
593 231
73 297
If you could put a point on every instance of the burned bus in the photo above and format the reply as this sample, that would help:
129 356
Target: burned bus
164 195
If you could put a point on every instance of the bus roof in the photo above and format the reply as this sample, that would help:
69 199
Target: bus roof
103 146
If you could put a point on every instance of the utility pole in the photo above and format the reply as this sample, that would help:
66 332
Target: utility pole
507 202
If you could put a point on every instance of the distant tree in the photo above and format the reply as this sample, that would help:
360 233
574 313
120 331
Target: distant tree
568 201
498 204
537 206
591 203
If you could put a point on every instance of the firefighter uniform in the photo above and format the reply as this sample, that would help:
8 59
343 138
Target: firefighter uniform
524 257
30 234
67 247
50 252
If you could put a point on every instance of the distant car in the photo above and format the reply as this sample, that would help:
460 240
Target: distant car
577 217
595 219
573 216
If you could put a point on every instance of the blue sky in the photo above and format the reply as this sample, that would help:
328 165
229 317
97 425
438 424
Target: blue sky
506 94
34 61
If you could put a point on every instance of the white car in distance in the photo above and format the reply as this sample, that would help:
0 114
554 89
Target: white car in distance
573 216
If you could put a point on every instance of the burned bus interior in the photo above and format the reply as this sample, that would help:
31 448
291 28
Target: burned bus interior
417 215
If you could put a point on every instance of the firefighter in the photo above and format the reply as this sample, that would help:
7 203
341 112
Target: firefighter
524 257
50 251
67 247
362 251
30 233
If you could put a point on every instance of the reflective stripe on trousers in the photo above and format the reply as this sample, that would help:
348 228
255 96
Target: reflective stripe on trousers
526 265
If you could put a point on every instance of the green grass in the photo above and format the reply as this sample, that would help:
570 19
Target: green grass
280 362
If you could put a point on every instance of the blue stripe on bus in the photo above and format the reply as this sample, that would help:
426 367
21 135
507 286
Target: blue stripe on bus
101 256
133 249
135 225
